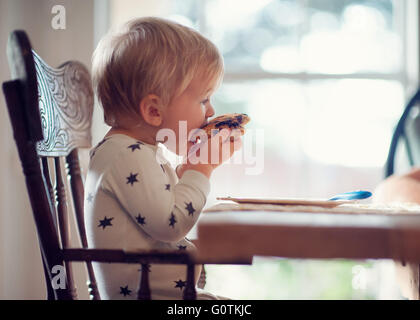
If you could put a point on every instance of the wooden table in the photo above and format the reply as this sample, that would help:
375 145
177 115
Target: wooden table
239 234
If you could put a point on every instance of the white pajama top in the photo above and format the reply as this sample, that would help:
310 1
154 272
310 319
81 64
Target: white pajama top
134 200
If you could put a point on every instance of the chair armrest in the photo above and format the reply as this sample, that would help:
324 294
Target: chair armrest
121 256
145 257
141 257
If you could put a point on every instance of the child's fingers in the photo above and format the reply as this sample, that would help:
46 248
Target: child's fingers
228 142
235 134
237 144
229 147
222 135
231 143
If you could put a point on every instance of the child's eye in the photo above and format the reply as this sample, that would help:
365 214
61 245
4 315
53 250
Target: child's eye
205 101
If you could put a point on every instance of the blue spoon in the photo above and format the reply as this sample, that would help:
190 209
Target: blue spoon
352 195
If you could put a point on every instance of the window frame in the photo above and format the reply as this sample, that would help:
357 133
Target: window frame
407 15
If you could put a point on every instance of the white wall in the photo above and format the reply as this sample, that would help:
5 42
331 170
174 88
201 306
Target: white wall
21 274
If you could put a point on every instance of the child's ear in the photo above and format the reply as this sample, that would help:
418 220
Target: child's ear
150 110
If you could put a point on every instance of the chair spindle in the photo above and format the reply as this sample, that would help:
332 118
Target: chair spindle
77 189
144 291
63 222
190 292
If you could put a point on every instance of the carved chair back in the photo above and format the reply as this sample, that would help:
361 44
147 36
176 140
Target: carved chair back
53 111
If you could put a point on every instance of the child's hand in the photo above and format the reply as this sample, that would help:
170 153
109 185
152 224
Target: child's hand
223 145
217 149
208 155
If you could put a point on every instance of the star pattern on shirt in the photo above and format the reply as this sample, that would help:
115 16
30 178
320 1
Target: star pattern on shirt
190 208
105 222
90 197
132 178
172 220
134 146
141 219
180 284
125 291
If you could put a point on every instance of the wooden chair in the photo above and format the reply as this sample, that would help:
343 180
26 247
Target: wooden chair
407 135
51 114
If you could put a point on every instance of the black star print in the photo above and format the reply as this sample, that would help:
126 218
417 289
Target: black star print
141 219
134 146
132 178
180 284
167 187
172 220
162 168
105 222
182 247
125 291
90 198
190 208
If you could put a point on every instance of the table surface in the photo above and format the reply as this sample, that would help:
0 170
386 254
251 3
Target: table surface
236 233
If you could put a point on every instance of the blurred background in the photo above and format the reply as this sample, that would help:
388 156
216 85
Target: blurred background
326 80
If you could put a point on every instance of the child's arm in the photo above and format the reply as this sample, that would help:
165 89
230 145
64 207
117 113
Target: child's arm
205 169
225 144
164 211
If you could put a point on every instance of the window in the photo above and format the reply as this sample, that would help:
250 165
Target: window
326 81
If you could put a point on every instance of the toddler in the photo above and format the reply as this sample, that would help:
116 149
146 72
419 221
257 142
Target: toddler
151 75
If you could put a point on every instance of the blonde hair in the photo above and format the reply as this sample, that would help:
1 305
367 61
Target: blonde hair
150 56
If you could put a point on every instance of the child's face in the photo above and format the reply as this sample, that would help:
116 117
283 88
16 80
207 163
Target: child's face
192 106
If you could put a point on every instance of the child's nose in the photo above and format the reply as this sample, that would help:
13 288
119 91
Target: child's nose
210 111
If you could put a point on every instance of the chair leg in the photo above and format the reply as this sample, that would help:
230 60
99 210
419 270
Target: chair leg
50 290
144 290
190 292
202 279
